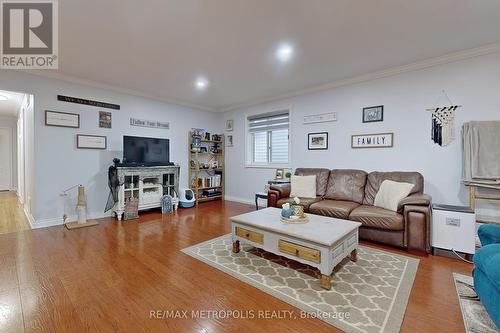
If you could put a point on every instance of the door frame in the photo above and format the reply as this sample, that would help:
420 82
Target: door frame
11 151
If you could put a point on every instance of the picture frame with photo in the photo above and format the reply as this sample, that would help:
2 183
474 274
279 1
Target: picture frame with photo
280 174
317 141
229 141
373 114
229 125
105 119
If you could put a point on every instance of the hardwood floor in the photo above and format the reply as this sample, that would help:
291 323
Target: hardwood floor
108 278
12 217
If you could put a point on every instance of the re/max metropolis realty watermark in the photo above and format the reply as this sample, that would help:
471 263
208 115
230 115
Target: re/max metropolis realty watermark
29 33
244 314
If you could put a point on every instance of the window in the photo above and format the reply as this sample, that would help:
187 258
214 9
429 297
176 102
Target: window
268 138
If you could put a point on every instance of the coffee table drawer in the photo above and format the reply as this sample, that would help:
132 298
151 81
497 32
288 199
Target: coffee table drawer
250 235
300 251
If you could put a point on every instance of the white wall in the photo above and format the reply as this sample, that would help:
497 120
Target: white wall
11 122
473 83
59 165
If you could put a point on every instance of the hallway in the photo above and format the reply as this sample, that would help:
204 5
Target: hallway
12 218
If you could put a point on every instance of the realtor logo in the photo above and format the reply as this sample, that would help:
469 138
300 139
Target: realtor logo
29 35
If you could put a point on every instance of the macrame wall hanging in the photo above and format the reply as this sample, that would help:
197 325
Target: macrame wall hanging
443 122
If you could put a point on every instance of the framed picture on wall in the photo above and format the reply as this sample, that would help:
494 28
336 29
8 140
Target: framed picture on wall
62 119
317 141
229 125
229 141
105 119
373 114
91 141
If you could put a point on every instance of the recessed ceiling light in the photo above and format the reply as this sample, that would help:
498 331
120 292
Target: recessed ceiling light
201 83
3 98
284 52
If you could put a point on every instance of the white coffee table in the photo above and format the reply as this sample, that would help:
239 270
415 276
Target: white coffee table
323 242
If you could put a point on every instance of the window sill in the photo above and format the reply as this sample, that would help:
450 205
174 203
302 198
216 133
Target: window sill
267 166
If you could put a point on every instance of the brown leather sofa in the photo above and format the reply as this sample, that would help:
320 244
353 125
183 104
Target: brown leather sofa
349 194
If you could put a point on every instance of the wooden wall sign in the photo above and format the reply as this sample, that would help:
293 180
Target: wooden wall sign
88 102
320 118
149 123
377 140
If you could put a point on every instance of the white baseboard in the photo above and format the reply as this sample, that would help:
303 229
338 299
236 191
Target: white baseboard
50 222
262 203
29 217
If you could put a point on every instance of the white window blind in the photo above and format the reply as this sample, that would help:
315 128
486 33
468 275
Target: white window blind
268 136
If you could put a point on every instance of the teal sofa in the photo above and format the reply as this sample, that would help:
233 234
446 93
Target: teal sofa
486 271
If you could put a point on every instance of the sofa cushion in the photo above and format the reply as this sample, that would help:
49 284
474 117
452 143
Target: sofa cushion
303 186
375 217
321 178
391 193
346 185
333 208
487 259
305 202
375 179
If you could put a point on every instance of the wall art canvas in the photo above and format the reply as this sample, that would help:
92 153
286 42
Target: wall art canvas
373 114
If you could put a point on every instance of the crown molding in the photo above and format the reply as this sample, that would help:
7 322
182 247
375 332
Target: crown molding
117 89
419 65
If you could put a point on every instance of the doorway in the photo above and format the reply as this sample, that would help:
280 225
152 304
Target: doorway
15 107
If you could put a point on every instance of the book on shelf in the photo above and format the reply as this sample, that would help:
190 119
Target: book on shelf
212 181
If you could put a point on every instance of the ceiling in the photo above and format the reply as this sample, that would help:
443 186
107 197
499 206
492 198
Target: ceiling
159 47
12 105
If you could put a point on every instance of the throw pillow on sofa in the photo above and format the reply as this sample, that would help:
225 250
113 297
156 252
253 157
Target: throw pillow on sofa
391 193
303 186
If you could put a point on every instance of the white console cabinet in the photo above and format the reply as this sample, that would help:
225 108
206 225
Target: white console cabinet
148 184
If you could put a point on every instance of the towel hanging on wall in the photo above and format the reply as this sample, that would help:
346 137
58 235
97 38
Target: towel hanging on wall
443 123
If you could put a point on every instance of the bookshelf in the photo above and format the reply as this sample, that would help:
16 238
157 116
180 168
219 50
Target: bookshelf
206 171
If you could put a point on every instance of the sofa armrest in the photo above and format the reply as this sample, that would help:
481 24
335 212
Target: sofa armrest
418 199
277 192
283 189
417 228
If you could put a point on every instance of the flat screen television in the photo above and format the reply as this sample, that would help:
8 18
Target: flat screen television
146 151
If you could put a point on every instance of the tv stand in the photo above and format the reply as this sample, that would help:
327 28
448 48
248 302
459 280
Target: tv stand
146 183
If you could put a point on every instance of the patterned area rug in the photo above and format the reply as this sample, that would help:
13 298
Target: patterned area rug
368 296
476 319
